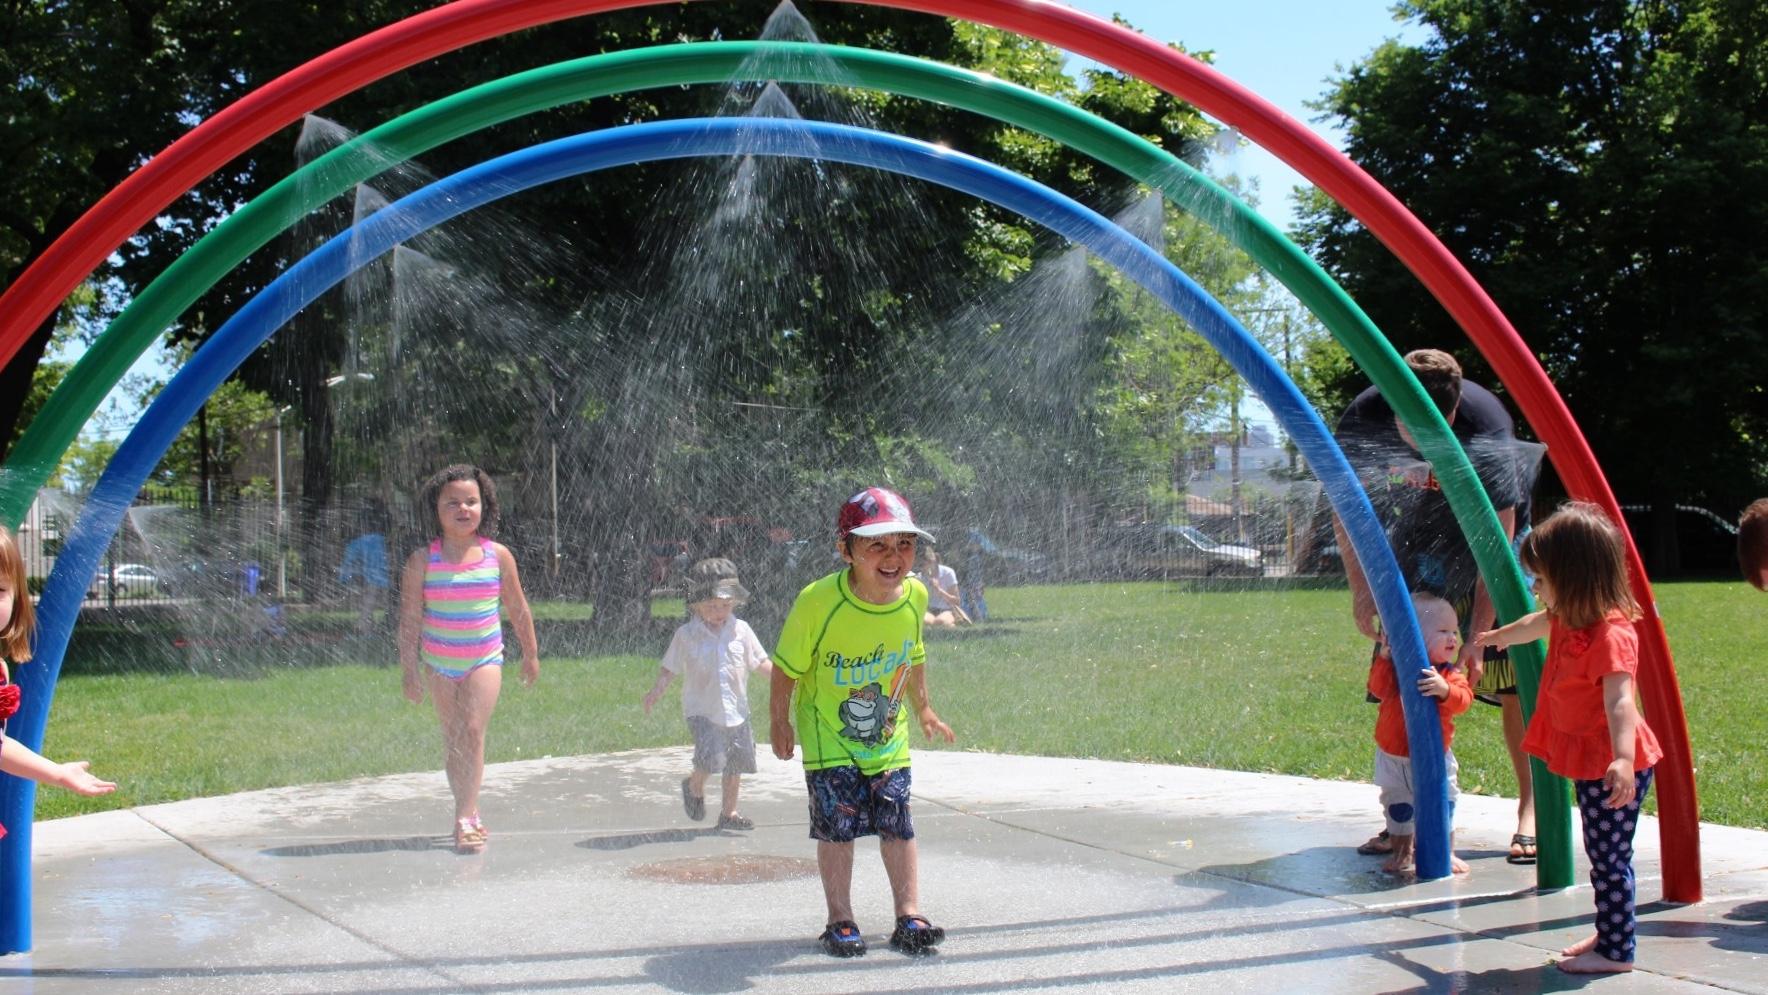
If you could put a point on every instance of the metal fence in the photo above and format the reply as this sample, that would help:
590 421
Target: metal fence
170 548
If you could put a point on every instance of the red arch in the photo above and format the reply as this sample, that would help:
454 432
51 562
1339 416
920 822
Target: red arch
186 162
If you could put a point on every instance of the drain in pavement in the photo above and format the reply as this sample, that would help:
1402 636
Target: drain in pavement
739 869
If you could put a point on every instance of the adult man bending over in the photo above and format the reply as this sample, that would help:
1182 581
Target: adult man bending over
1428 542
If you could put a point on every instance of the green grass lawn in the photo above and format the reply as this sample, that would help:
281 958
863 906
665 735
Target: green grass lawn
1245 680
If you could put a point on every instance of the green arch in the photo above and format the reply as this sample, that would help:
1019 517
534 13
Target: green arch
183 282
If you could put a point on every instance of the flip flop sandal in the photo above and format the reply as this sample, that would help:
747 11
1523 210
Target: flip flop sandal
1380 844
694 805
843 939
1522 850
915 935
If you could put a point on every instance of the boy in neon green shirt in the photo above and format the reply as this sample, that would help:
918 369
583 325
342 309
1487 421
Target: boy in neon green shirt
851 649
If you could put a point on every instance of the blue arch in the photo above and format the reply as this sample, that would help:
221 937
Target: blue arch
491 180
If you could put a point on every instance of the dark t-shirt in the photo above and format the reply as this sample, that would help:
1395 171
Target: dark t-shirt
1426 539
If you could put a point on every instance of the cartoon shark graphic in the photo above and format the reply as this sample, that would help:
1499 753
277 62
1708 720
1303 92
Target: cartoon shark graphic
863 714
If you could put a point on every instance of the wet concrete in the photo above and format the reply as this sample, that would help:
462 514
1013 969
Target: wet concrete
1046 873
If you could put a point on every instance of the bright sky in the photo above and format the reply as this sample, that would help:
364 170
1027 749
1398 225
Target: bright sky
1283 50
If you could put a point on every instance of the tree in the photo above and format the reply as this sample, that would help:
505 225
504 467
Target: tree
1597 166
91 87
240 422
650 333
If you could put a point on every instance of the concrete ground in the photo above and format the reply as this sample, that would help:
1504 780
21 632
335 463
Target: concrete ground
1047 874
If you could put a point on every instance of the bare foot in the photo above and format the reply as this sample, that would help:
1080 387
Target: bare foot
1400 861
1458 866
1583 946
1591 962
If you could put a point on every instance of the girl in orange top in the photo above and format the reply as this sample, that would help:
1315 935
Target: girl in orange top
1586 725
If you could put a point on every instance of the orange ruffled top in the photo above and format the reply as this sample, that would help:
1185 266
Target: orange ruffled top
1570 727
1390 719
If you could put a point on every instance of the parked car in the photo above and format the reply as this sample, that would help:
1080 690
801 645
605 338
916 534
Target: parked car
1158 551
125 580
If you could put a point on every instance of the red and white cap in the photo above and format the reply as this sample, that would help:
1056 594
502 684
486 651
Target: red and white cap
876 512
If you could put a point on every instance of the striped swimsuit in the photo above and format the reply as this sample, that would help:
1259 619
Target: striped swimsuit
462 631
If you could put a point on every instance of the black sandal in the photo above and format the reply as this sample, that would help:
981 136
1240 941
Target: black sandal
915 935
843 939
694 805
1522 850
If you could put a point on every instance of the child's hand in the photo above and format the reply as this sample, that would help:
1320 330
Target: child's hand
1433 683
413 687
76 778
780 732
931 726
1490 637
1618 779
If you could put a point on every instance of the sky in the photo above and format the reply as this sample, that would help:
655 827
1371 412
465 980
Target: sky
1283 50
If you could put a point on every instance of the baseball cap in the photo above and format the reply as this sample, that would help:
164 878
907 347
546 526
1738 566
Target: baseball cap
876 512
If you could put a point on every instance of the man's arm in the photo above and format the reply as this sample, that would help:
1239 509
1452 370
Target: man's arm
1473 662
1362 599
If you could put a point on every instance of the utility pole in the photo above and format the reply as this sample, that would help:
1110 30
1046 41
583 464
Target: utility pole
282 558
1234 459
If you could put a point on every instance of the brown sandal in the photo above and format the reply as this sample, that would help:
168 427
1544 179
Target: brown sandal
469 836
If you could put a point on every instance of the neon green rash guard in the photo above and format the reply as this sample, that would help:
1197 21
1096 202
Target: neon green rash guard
847 655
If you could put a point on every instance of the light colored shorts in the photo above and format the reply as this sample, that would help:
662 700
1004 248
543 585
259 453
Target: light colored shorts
1393 775
718 747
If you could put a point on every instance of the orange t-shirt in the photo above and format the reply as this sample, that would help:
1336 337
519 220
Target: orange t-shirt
1570 727
1390 719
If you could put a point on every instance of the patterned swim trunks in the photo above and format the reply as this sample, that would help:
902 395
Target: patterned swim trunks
846 804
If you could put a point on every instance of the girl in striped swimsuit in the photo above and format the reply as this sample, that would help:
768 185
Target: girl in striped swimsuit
450 598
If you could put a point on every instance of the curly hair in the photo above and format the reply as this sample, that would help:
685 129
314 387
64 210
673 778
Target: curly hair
432 491
15 635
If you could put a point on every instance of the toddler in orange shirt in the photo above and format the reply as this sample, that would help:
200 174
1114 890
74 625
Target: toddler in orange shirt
1393 757
1586 725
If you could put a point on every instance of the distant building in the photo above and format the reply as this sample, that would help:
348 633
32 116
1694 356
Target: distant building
40 534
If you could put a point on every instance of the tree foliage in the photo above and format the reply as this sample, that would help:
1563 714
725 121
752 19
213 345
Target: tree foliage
613 330
1597 165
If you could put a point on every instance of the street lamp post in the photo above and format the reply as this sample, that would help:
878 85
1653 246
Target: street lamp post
327 383
282 574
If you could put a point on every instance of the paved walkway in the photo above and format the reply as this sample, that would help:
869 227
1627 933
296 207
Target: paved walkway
1048 874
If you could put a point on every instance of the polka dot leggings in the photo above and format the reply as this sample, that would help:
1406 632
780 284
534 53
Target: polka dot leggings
1608 842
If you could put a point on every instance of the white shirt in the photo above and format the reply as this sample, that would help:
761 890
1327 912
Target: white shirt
948 579
714 666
